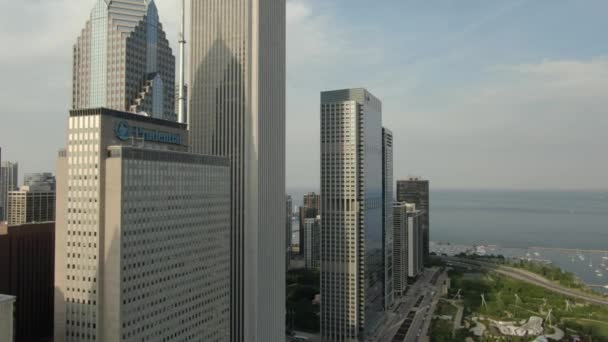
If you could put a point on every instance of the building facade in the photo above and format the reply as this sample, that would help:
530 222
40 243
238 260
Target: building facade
310 208
352 260
123 61
312 231
408 258
9 173
288 230
31 204
143 235
43 180
26 272
387 217
7 304
237 109
400 243
416 190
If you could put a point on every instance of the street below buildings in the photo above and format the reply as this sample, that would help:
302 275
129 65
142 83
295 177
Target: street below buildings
411 317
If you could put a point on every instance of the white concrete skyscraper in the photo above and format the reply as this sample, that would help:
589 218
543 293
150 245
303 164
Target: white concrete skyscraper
122 61
142 233
352 248
237 109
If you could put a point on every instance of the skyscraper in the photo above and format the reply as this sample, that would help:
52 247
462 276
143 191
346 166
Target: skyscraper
310 209
416 190
387 217
143 233
408 245
8 182
352 260
312 231
400 248
122 61
237 109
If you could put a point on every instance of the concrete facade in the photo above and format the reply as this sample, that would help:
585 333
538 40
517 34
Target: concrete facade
142 241
7 304
352 259
237 109
31 204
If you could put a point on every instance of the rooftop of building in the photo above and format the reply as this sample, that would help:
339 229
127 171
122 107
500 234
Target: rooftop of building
6 298
126 116
32 227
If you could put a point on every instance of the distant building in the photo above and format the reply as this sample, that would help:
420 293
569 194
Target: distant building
35 203
352 246
288 232
143 233
312 238
415 241
8 182
387 216
7 320
400 244
407 245
310 209
416 190
123 61
26 272
45 180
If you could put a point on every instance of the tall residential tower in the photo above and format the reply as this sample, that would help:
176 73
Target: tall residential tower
237 109
122 61
352 248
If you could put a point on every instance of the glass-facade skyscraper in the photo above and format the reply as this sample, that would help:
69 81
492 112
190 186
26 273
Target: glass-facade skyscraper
122 61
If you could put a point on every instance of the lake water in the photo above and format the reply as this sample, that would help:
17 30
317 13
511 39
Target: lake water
517 221
577 220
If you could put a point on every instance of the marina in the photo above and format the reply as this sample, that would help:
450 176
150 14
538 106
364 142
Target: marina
591 266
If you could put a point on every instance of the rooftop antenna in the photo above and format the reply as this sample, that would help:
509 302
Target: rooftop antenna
182 61
483 301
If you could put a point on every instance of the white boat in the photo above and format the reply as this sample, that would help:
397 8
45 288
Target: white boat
605 257
600 275
582 257
537 254
606 287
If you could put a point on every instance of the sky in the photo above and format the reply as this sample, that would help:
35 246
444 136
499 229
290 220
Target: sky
479 94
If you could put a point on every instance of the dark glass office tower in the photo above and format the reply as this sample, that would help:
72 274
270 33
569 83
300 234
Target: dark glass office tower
416 190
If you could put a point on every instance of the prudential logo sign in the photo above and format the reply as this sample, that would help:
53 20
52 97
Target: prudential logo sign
124 131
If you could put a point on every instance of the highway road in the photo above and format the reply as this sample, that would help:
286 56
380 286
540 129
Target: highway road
529 277
419 303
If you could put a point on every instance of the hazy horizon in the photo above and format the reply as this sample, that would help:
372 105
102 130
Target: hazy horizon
479 95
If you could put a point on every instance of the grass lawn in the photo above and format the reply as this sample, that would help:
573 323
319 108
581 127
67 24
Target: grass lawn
513 300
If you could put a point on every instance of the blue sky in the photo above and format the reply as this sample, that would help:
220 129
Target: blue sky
479 93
